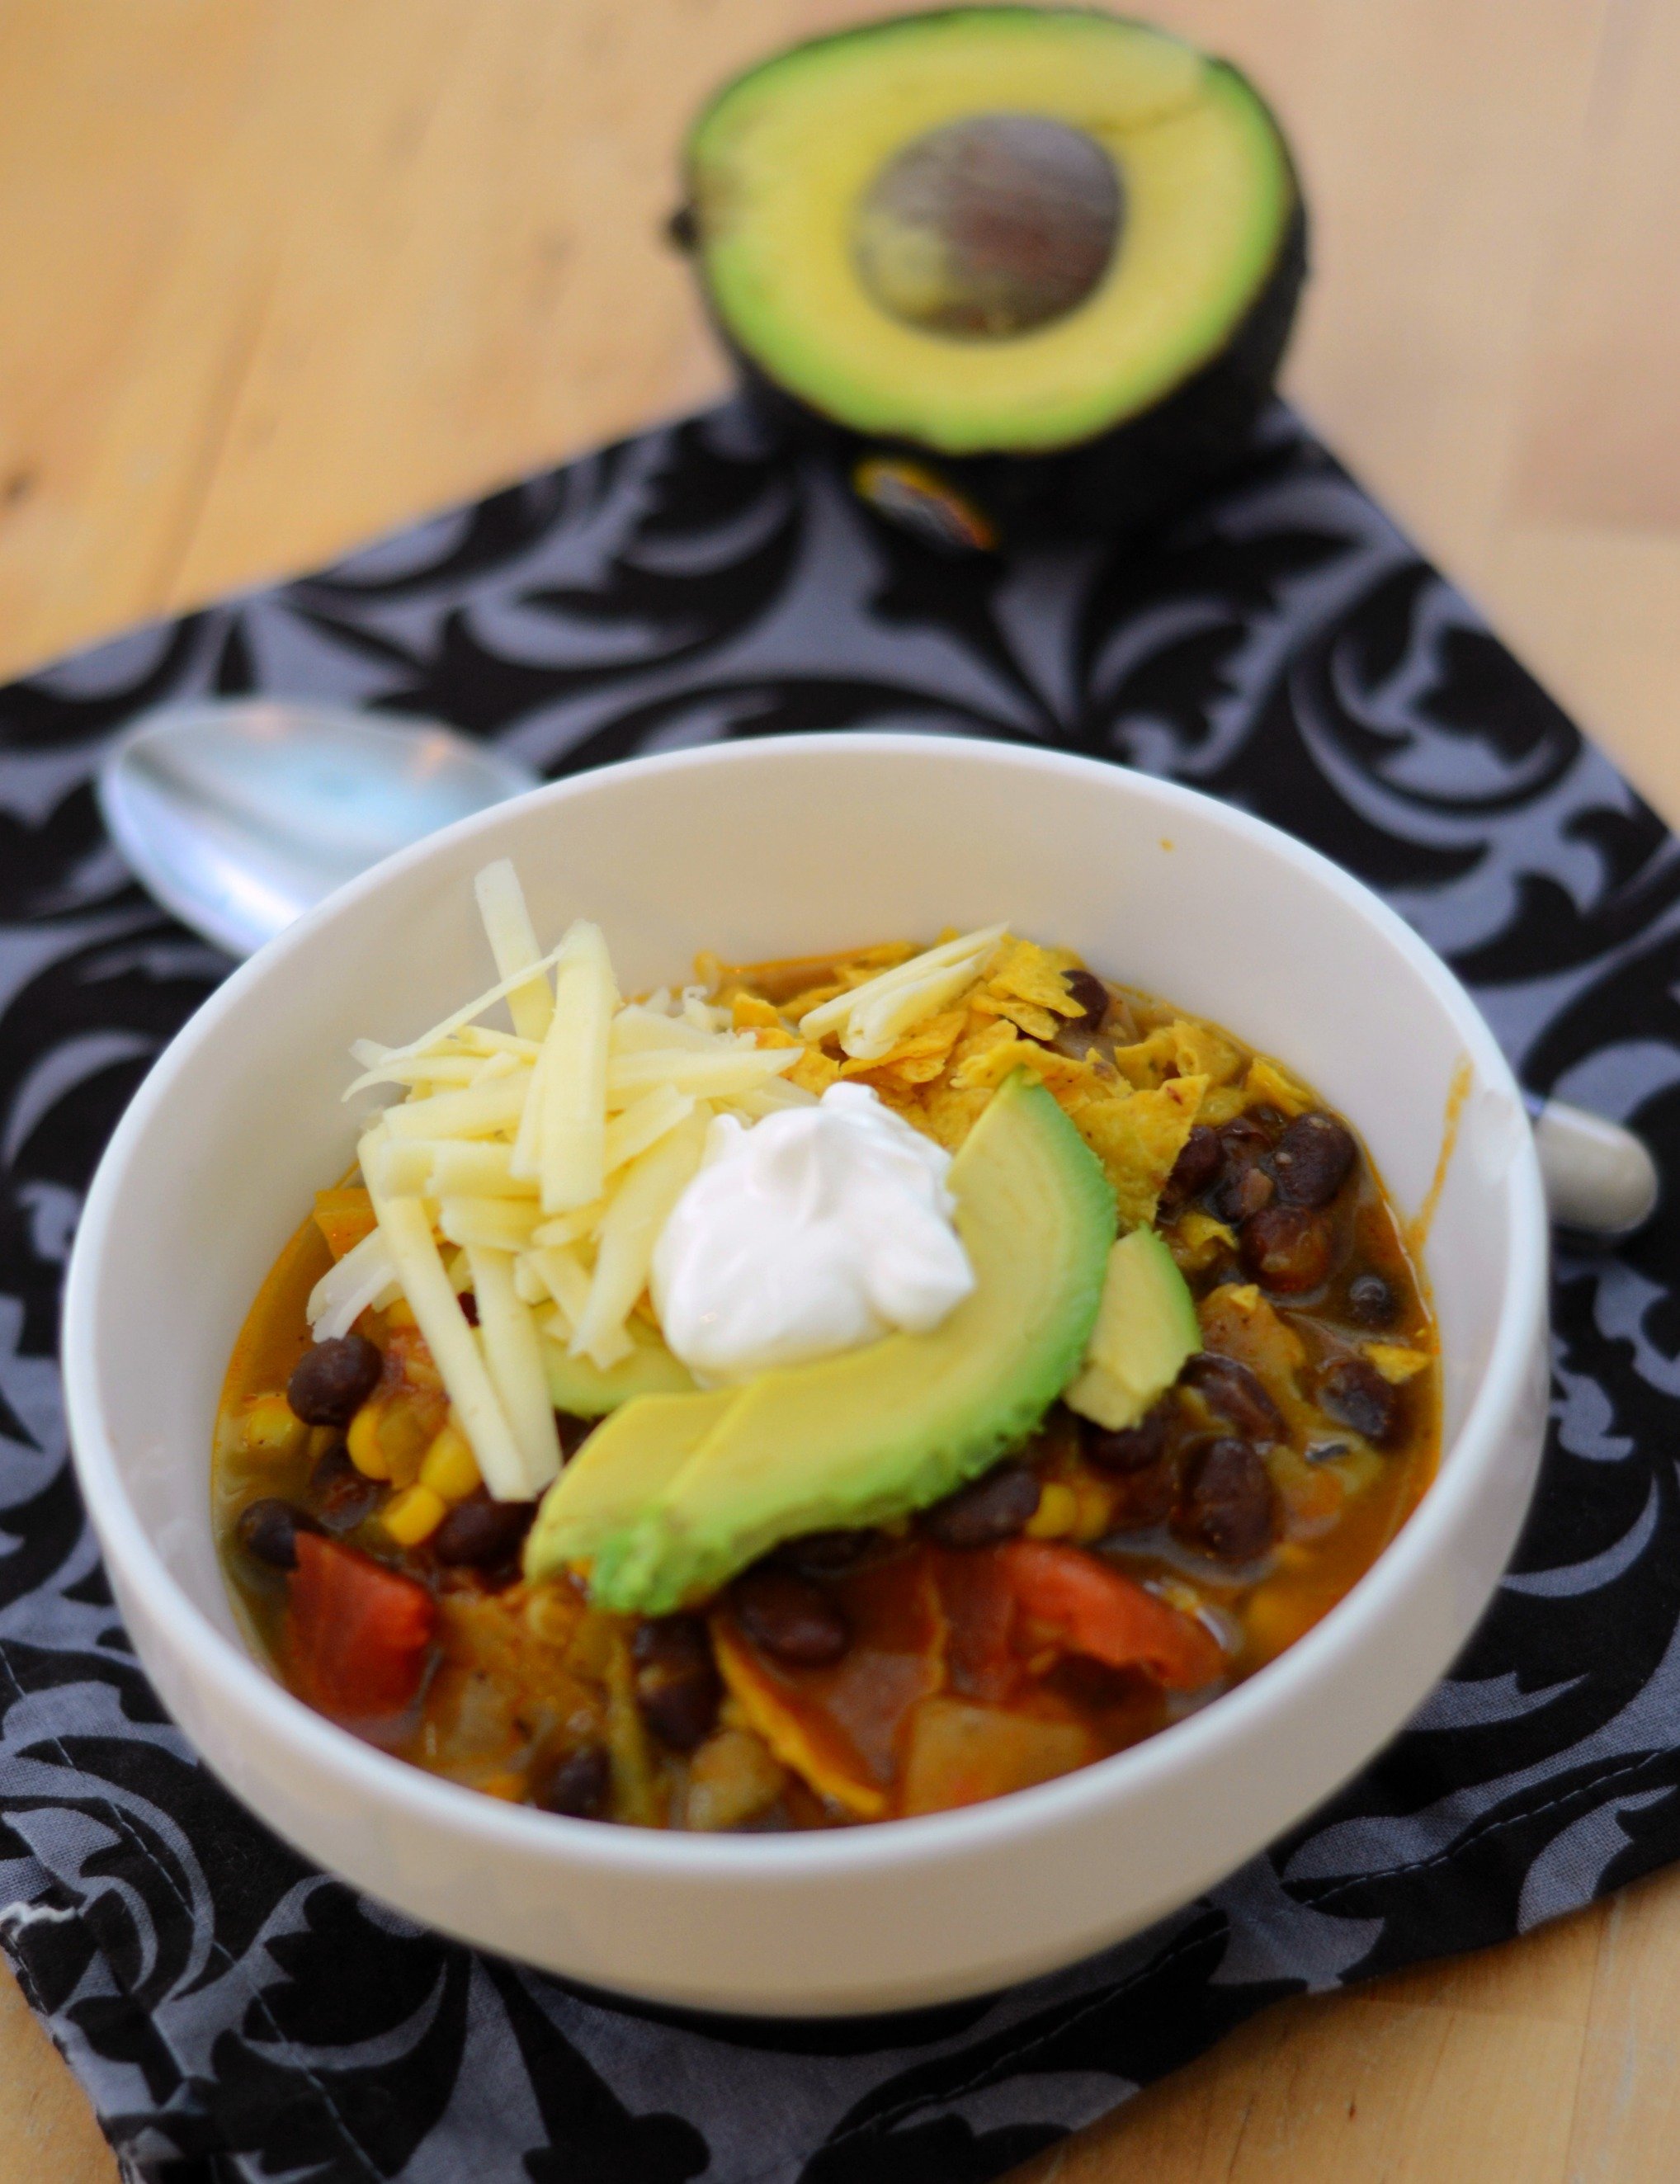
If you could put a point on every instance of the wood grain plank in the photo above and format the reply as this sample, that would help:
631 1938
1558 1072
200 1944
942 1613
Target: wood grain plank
1626 2120
48 2134
1600 443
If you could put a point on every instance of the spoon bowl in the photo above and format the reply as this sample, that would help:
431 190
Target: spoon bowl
240 815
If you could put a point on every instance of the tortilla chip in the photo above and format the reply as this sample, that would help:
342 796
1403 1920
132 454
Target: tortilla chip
1396 1361
750 1012
1201 1051
1267 1086
921 1055
814 1071
1197 1239
1222 1105
801 1004
1022 971
983 1058
1138 1137
947 1114
1149 1062
1026 1016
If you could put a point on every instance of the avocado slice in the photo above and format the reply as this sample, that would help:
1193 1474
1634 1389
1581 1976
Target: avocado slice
1058 251
622 1467
583 1390
1145 1328
870 1434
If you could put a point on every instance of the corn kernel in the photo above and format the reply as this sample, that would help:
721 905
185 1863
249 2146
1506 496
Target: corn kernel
449 1467
404 1435
1057 1514
414 1515
1095 1502
400 1314
323 1440
363 1442
272 1427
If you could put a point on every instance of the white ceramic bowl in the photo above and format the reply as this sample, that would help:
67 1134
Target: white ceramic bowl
789 847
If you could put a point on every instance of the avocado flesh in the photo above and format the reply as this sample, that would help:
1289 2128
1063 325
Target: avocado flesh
1146 1328
583 1390
623 1465
782 161
873 1434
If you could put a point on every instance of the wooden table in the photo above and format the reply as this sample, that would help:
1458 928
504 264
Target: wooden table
282 272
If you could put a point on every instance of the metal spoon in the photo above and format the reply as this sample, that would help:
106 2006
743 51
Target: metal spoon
240 815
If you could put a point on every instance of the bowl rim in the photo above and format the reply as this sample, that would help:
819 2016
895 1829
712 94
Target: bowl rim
268 1710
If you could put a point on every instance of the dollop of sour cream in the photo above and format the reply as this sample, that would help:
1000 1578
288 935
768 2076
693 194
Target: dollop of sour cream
814 1230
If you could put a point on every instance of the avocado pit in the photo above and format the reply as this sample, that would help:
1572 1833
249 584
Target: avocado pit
991 226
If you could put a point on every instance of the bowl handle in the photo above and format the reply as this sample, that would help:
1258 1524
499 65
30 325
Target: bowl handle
1600 1179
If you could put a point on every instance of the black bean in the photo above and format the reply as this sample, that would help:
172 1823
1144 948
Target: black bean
1198 1163
1287 1248
1085 987
994 1508
480 1533
1132 1448
1312 1161
1242 1192
1238 1393
1371 1302
332 1381
576 1785
269 1529
826 1554
1354 1392
1245 1137
678 1687
1229 1505
790 1618
343 1495
1145 1497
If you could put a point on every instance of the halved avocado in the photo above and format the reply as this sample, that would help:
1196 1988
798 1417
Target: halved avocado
1042 260
871 1434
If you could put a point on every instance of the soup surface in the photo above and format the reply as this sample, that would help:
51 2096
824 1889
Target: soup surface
1122 1559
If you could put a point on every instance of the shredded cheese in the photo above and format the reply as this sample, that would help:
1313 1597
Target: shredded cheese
644 1124
501 1224
513 1351
347 1289
431 1298
481 1111
653 1184
513 943
565 1279
871 1018
706 1076
571 1125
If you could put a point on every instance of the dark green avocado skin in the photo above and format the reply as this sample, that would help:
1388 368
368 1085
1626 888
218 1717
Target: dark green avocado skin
1124 481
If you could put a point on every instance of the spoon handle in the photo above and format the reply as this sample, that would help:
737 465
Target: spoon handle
1600 1178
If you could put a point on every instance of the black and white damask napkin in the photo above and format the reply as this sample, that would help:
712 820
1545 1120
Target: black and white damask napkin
234 2014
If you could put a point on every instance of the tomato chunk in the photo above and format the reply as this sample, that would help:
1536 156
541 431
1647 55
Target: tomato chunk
357 1633
1096 1611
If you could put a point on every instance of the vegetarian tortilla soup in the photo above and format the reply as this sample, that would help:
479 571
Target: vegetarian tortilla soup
843 1389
